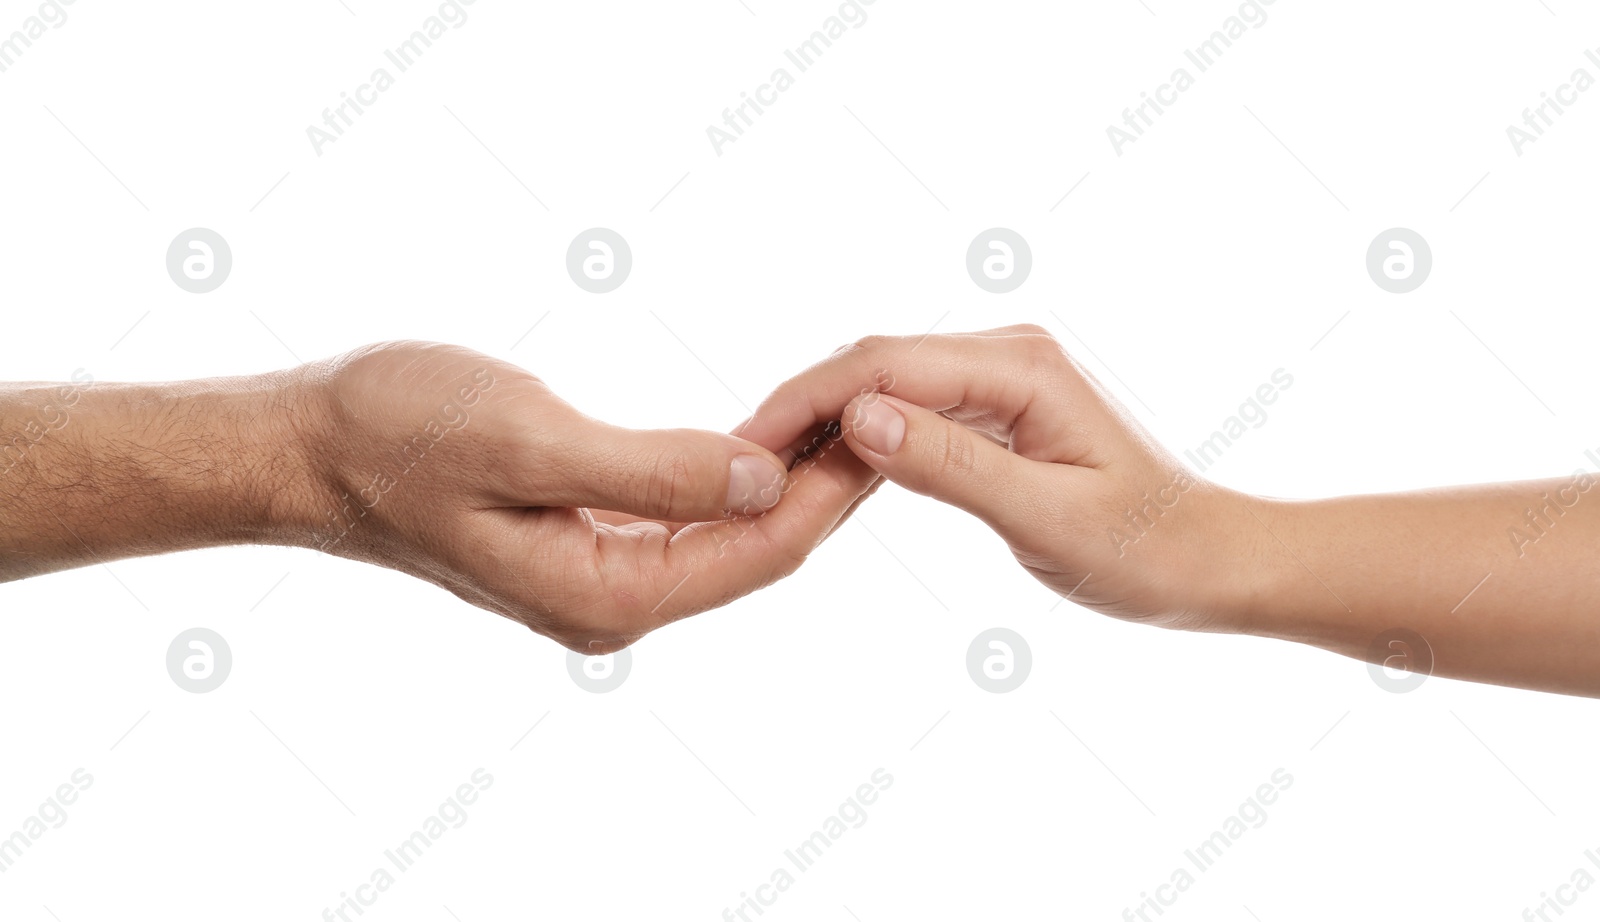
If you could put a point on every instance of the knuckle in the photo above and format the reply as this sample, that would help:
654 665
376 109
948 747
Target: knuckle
786 557
1042 343
875 342
957 458
671 485
1041 350
870 358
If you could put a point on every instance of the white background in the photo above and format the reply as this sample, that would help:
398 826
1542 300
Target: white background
1183 273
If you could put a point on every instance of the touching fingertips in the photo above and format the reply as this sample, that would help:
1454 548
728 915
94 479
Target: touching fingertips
755 484
878 426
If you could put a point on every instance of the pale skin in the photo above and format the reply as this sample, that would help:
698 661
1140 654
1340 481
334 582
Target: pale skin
1005 425
470 473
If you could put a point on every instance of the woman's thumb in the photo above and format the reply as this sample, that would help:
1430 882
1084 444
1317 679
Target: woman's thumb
929 454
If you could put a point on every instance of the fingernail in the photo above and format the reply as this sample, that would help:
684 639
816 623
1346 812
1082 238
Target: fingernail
879 426
754 484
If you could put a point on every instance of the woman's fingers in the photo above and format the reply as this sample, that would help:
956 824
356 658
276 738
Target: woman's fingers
938 457
1017 382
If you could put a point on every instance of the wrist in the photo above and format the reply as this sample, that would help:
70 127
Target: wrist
225 460
1270 578
288 495
1237 574
222 461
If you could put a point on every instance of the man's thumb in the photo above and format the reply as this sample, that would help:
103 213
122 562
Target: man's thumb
677 475
929 454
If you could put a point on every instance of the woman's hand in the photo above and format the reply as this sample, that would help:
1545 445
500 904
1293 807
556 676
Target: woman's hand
1492 583
1005 425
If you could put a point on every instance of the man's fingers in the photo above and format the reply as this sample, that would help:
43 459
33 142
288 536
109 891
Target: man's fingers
929 454
710 564
677 475
877 482
598 590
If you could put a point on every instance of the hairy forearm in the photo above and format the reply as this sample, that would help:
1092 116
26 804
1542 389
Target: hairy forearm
1499 580
97 471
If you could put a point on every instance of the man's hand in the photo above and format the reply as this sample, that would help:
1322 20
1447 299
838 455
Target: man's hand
472 474
429 459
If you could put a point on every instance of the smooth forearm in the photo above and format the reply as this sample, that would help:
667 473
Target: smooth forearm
1498 579
97 471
